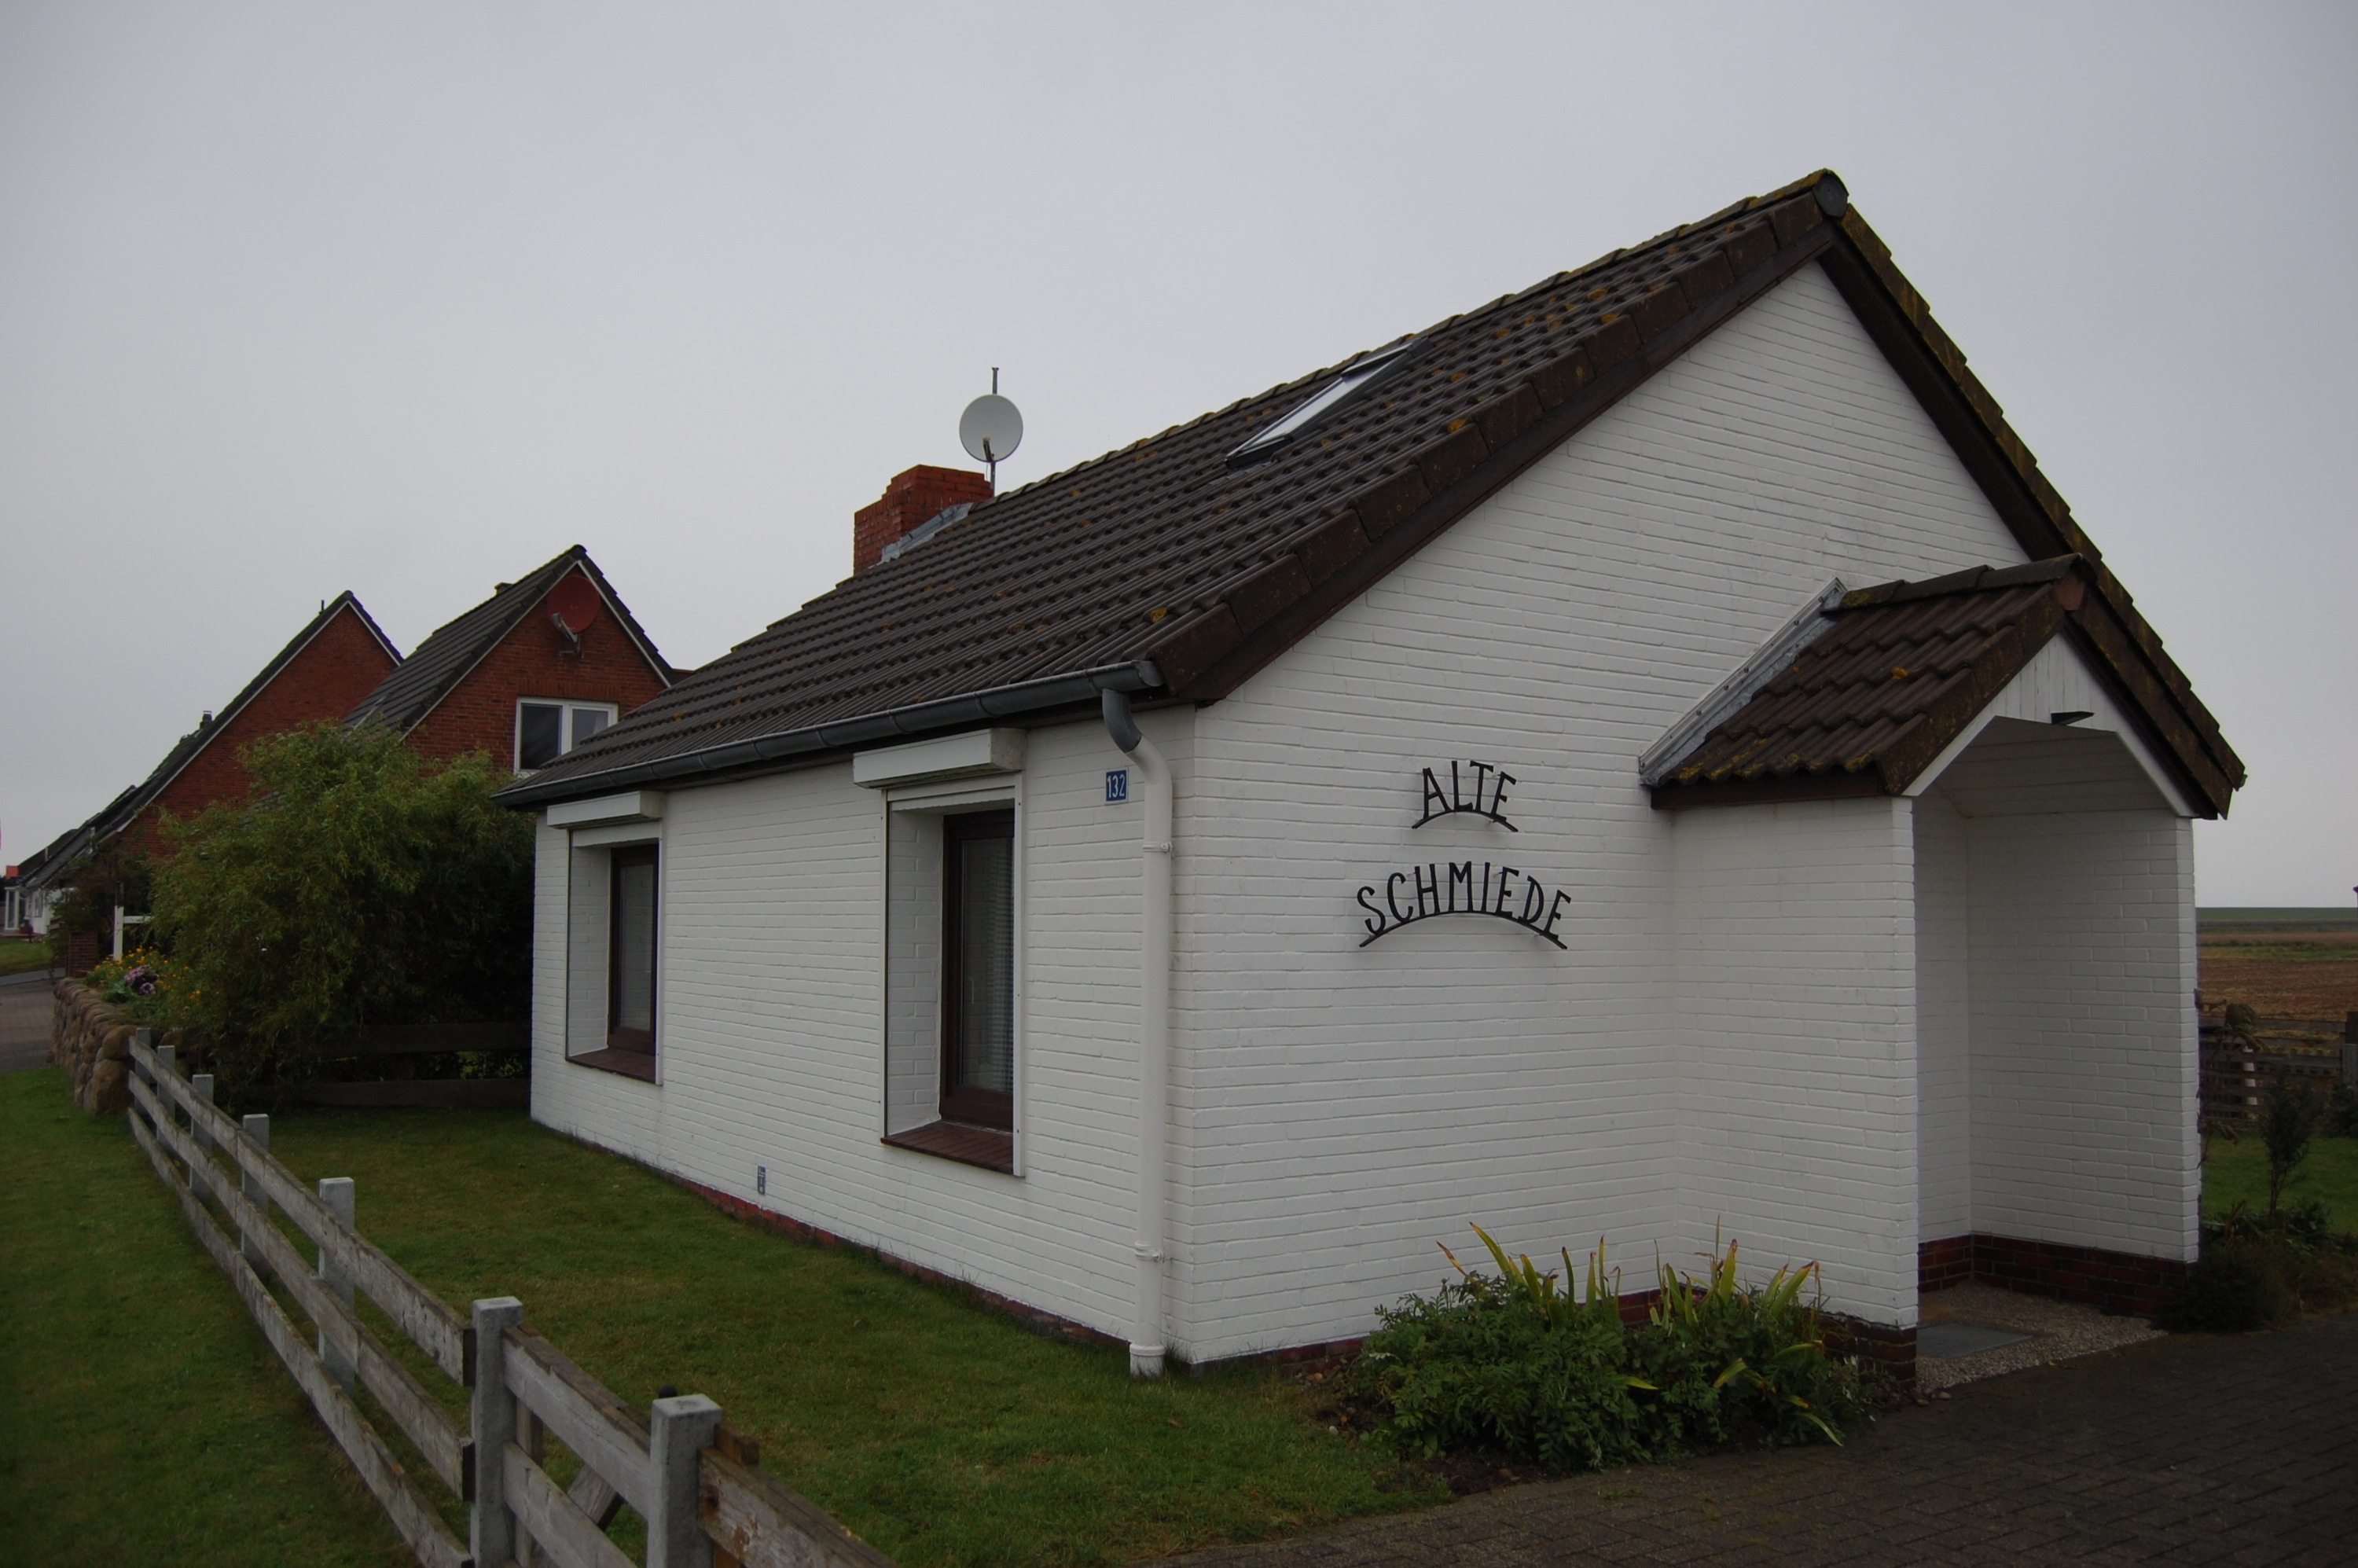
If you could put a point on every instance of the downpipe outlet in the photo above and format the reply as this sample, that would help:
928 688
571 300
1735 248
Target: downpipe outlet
1151 789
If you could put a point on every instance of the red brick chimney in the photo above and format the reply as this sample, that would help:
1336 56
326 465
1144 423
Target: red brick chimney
909 503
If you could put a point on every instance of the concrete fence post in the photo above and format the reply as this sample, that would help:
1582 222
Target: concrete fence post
257 1126
677 1429
201 1086
490 1528
336 1193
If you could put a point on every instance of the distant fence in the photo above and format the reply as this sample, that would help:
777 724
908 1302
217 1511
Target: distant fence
693 1479
402 1041
2238 1071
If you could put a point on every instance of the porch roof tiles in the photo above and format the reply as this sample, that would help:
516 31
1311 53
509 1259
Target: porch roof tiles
1867 706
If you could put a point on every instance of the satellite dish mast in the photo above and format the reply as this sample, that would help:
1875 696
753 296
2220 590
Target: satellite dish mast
990 430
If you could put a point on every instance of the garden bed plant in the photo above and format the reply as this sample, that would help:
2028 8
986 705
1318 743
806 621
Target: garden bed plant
2267 1265
1516 1365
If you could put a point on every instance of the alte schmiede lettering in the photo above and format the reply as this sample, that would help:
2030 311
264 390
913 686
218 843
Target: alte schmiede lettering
1490 783
1439 888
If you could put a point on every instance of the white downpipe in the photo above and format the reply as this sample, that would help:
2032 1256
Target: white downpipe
1152 791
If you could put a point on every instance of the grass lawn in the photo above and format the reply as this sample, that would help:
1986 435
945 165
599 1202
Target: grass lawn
17 957
940 1430
142 1418
2239 1170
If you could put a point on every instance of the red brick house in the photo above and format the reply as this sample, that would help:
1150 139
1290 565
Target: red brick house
541 666
319 676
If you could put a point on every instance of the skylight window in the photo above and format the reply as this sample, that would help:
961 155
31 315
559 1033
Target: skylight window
1341 390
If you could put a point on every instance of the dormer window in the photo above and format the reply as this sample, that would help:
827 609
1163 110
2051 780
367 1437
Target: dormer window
1269 442
546 731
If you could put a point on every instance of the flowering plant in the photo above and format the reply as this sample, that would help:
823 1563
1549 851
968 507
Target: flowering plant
144 983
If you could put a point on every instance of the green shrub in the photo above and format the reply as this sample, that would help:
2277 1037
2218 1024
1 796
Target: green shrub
2289 1116
2261 1269
360 885
2233 1290
1514 1362
2342 1112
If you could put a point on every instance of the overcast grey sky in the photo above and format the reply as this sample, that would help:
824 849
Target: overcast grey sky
405 298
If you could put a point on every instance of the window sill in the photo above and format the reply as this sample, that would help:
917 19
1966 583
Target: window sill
987 1147
639 1064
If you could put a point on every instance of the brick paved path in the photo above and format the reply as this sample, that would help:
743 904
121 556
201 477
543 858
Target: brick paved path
2239 1450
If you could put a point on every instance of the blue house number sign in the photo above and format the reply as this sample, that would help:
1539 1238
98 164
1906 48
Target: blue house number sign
1117 785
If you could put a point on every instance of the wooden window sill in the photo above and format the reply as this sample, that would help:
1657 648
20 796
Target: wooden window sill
639 1064
989 1147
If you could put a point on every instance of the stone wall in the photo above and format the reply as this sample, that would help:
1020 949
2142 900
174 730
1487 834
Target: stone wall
92 1039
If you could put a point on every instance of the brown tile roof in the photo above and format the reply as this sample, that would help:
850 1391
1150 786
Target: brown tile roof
1163 553
1867 707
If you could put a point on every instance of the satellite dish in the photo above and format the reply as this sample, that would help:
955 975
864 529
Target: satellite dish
990 429
575 599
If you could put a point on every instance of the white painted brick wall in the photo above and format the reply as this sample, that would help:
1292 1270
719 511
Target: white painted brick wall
1348 1107
2085 1056
1945 1188
1337 1109
1796 957
771 1028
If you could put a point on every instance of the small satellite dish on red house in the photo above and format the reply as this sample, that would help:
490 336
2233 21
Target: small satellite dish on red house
574 601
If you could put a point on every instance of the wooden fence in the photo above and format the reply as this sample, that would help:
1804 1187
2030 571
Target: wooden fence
2237 1071
411 1041
694 1480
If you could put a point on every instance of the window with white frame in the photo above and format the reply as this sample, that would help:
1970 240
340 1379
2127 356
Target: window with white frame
547 729
953 971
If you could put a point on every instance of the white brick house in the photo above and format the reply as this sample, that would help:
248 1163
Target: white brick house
1838 909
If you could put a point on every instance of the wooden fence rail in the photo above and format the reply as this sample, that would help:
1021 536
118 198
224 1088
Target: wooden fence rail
2236 1079
694 1480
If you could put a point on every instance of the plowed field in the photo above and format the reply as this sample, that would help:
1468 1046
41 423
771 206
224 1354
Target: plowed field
2284 972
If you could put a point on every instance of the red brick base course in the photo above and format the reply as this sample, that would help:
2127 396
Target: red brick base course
1031 1318
1893 1350
2114 1282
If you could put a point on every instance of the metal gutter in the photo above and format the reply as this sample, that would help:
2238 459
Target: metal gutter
893 723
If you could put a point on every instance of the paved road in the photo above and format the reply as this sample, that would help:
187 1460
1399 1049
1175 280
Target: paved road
23 1026
2190 1450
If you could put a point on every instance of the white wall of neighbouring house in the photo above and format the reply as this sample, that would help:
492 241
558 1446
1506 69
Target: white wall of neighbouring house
1344 1108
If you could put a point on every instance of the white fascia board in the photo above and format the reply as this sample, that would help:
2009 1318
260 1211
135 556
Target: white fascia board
2058 680
638 806
976 752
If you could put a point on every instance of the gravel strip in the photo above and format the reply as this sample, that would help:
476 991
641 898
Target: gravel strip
2059 1331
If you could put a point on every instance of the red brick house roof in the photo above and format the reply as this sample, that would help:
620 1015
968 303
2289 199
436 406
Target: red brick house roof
341 651
458 691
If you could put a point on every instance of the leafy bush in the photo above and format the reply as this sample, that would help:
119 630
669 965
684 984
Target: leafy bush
360 885
2233 1290
2342 1112
1516 1364
2289 1116
2257 1271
